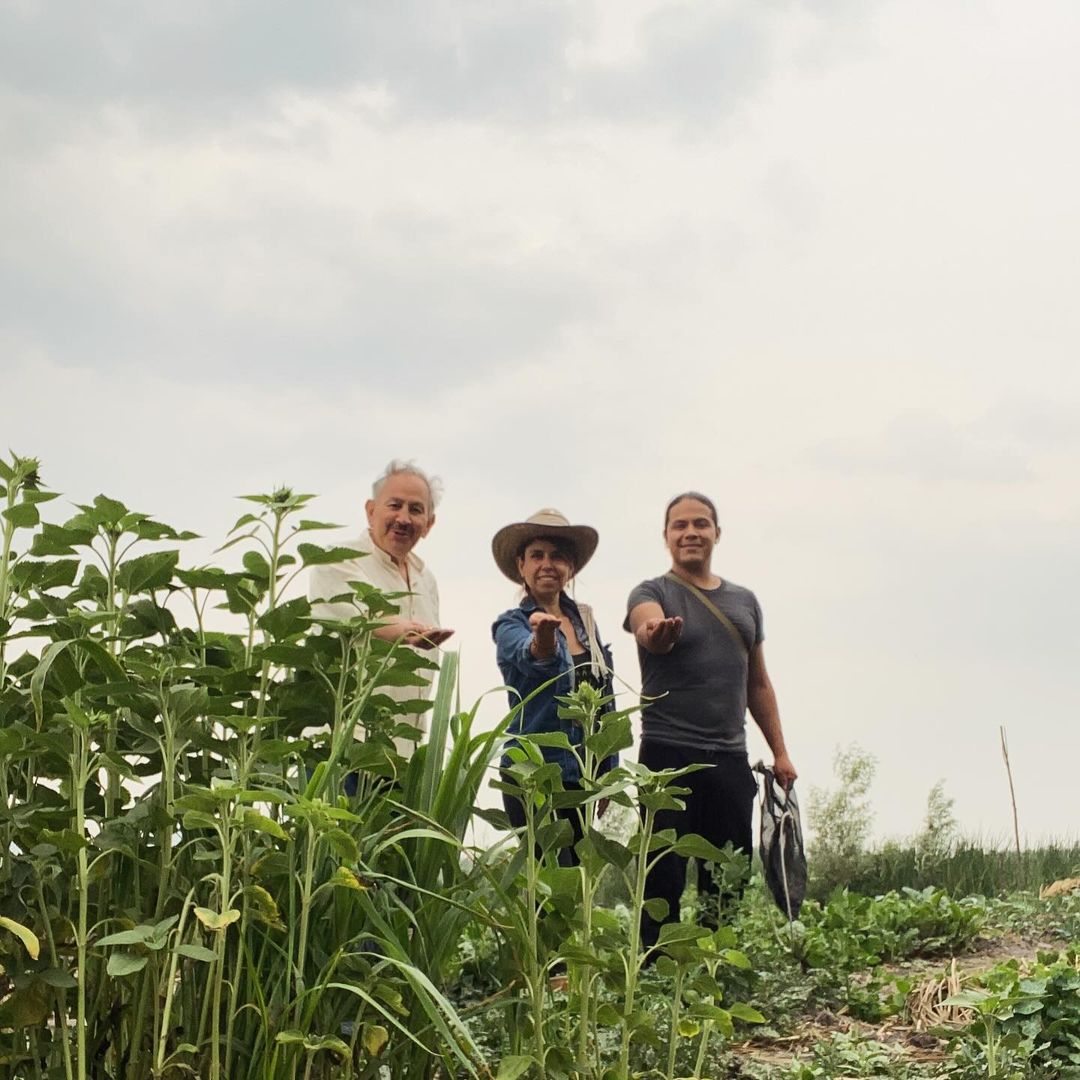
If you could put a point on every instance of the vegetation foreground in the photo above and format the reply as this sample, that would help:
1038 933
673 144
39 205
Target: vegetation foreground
186 889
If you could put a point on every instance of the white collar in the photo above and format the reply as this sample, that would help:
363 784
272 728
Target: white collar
415 563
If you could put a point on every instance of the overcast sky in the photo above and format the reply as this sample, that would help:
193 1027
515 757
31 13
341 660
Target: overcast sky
818 259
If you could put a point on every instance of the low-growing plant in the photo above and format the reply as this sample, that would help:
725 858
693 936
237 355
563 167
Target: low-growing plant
1027 1014
852 931
846 1054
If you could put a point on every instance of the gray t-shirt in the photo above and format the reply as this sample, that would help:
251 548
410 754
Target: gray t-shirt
703 679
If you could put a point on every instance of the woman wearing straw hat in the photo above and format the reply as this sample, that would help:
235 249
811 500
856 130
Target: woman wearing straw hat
548 634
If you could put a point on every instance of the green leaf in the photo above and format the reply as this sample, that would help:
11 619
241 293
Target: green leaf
196 952
374 1038
23 515
261 823
107 511
344 878
313 555
614 735
338 1047
57 540
56 977
46 574
24 934
693 846
286 619
101 657
256 566
735 958
611 850
138 936
66 840
308 526
146 572
514 1066
263 907
287 1038
343 845
681 933
199 819
745 1013
215 920
121 964
29 1008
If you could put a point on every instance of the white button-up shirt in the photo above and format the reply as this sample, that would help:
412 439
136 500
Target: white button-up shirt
377 568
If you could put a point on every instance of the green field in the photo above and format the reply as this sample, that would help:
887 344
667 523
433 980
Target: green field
186 890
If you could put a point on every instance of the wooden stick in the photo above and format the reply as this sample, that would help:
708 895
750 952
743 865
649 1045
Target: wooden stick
1012 790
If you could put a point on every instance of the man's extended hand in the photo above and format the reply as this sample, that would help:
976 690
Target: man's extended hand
418 635
660 635
784 771
544 627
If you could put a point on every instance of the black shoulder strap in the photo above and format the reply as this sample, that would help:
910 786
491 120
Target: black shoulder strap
728 625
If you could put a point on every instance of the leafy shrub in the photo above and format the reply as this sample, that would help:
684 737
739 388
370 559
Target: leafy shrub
840 821
940 831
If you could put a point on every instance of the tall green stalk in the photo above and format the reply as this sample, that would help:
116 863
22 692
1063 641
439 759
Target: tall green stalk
80 777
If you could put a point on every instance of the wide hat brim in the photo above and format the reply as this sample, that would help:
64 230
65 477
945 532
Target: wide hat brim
547 524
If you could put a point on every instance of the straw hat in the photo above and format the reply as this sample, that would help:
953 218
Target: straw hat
547 524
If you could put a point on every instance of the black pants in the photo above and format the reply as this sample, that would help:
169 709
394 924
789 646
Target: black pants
567 856
719 807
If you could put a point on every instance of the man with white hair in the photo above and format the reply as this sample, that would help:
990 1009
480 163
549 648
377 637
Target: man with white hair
400 513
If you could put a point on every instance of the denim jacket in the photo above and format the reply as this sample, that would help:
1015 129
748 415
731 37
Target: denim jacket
523 673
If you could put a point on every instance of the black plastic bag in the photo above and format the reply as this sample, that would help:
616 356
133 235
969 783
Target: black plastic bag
783 855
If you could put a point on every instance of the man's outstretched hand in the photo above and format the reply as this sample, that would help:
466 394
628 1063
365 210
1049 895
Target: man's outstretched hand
420 636
660 635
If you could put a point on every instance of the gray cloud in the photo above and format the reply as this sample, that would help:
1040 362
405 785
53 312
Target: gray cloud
197 61
202 55
923 446
1034 420
420 316
696 61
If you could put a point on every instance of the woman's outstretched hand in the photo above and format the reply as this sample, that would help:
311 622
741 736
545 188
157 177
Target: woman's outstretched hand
544 628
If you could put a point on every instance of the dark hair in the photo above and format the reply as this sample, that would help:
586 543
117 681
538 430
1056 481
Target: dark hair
691 495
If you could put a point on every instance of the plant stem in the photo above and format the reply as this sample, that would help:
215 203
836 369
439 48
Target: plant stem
300 958
170 988
63 1028
676 1007
633 963
80 778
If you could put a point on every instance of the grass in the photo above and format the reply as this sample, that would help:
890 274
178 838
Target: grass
969 868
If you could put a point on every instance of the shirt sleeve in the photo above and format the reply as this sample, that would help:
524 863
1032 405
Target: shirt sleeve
513 636
648 592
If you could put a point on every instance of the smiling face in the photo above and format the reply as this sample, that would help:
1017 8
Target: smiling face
691 534
400 514
545 569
